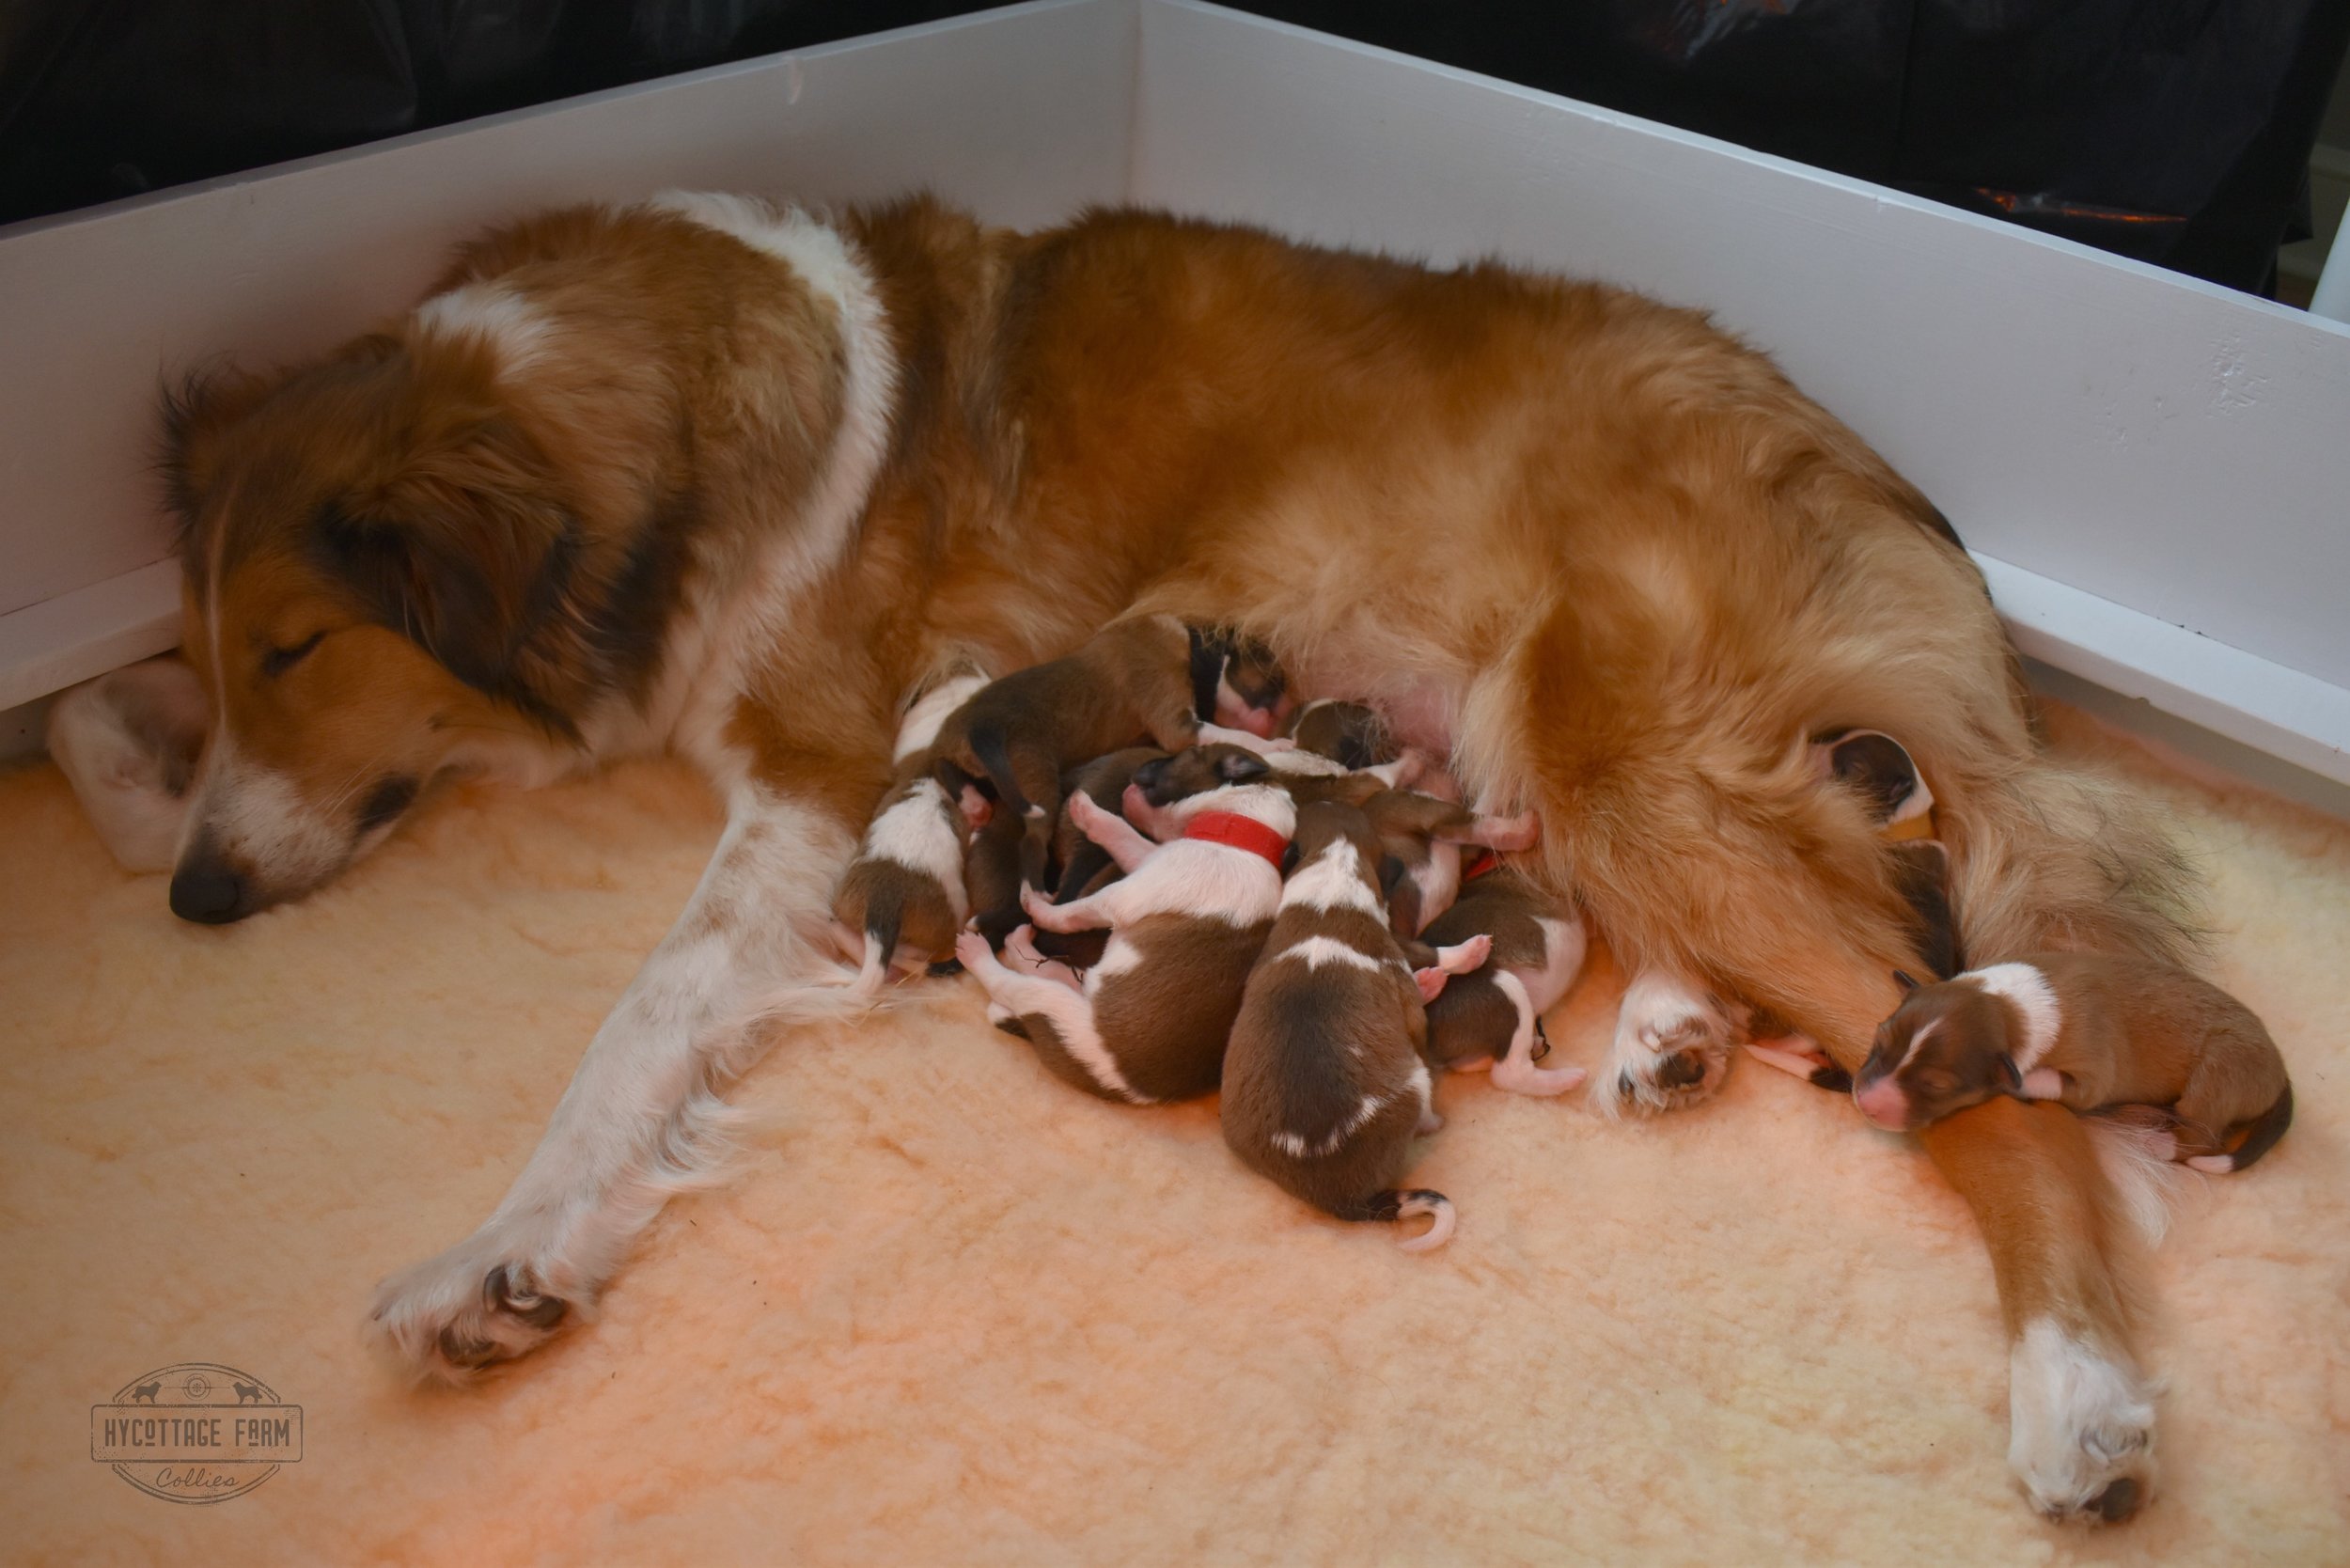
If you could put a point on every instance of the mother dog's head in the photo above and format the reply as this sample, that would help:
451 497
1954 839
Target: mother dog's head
371 547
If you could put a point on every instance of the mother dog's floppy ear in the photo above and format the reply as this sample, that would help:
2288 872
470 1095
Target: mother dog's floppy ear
465 550
195 409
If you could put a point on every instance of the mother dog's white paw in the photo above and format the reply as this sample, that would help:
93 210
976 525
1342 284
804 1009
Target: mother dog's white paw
1671 1047
492 1298
2082 1439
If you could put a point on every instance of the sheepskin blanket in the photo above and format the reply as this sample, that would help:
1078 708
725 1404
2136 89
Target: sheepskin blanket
950 1311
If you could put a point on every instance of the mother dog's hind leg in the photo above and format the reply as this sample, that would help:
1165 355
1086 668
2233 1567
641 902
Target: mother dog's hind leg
641 1120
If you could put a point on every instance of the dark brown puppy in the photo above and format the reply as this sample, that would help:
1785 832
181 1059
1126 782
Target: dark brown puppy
1081 865
2093 1030
1323 1084
1423 834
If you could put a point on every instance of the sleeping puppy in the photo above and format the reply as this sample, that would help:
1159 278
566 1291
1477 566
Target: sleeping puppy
1150 1021
1495 1014
1880 771
1346 733
1235 680
1323 1084
1018 735
127 743
903 896
2095 1031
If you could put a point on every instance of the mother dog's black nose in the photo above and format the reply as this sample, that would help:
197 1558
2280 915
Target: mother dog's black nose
207 891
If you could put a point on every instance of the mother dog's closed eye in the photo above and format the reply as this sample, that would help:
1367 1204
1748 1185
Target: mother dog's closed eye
712 476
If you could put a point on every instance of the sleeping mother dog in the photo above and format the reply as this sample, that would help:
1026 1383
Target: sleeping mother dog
736 481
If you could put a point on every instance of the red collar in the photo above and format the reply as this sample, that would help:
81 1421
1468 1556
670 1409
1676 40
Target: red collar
1238 832
1479 864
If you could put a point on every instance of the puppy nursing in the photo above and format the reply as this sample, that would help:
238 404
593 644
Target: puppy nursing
2096 1032
1150 1021
1323 1084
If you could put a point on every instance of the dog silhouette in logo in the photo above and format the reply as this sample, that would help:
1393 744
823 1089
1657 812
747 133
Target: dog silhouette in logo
144 1393
248 1393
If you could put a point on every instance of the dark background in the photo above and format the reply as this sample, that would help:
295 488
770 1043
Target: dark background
2174 130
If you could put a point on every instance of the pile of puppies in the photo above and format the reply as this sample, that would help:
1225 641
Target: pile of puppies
1286 917
1269 900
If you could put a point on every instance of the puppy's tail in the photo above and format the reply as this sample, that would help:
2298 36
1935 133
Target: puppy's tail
885 921
2267 1129
1401 1204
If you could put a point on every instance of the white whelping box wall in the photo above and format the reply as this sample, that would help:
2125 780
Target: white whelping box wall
2155 472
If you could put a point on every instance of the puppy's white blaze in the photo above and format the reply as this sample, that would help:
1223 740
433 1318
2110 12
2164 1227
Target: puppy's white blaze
2027 991
1332 880
920 831
514 329
1437 1233
1917 1040
920 725
2079 1421
1316 951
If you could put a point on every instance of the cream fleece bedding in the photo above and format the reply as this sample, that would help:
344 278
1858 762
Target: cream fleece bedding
950 1311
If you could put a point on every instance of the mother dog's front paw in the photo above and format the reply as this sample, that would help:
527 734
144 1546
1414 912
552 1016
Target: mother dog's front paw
1671 1047
483 1301
2082 1436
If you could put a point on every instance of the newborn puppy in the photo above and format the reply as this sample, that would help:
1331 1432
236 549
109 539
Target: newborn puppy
127 743
1150 1021
1235 680
903 896
1323 1084
1020 733
1494 1015
1880 771
1346 733
2092 1030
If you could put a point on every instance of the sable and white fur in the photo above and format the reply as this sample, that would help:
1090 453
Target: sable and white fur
127 743
2094 1031
723 478
1149 1022
1323 1084
1347 733
1493 1016
903 896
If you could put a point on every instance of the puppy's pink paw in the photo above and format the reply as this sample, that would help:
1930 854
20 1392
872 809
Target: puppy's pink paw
1431 983
973 950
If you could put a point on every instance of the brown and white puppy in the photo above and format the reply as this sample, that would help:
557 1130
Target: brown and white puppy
1347 733
2094 1031
127 743
1880 771
1236 682
903 896
1424 834
1494 1015
1323 1084
1149 1022
1018 734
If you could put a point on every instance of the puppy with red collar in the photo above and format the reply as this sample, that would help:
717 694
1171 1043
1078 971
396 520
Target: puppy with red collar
1149 1022
903 896
2095 1031
1016 736
1323 1084
1493 1016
